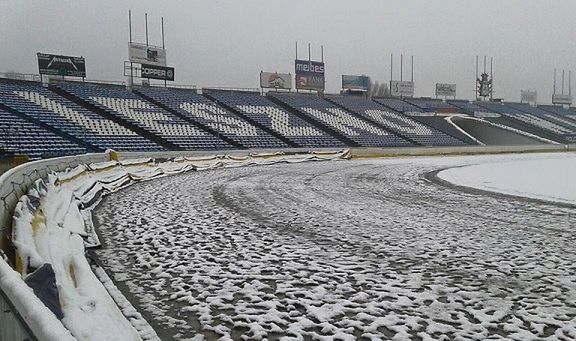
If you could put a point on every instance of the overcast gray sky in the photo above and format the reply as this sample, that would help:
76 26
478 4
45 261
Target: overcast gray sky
227 42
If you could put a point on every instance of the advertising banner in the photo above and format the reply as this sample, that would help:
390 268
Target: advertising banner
157 72
528 96
443 89
561 99
355 82
402 88
309 75
275 80
50 64
151 55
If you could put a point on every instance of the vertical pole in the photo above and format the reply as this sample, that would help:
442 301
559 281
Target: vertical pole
162 22
492 79
296 50
322 59
296 71
163 46
412 69
484 64
309 59
476 80
570 83
554 88
391 67
146 21
562 81
130 30
401 66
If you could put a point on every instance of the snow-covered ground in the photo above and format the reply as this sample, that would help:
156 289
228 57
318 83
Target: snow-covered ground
549 177
367 250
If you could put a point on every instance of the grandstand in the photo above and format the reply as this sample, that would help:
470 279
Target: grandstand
351 129
211 117
21 136
533 120
401 125
66 118
163 127
32 100
423 115
430 105
256 108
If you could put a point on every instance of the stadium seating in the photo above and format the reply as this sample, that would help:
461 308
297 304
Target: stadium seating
35 101
209 115
425 117
471 109
260 109
534 120
400 124
429 105
398 105
560 112
20 136
157 124
357 131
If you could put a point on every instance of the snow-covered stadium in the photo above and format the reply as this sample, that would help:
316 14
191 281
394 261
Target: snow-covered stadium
143 210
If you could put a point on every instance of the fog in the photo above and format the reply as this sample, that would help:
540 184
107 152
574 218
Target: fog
225 43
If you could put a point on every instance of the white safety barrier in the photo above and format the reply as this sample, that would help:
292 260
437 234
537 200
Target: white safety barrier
50 201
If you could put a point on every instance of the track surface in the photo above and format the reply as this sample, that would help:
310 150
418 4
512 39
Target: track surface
340 251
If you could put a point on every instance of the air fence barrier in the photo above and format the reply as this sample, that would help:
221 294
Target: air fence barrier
18 322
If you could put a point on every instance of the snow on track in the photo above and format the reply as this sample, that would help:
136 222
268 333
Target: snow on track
365 250
551 177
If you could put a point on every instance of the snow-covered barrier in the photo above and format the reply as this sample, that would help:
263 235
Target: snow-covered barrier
52 226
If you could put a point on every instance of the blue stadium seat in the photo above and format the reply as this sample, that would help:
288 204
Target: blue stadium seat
267 113
523 116
429 105
134 110
35 101
469 108
398 105
395 122
205 112
20 136
353 128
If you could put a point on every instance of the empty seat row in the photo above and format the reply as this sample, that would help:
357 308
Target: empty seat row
348 125
268 114
205 112
396 122
134 110
35 101
20 136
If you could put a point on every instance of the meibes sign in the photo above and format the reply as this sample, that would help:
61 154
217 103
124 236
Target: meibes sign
309 75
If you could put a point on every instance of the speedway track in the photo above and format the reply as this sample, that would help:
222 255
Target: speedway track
340 250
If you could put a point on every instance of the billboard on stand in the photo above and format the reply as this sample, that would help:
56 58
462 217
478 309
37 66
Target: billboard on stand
309 75
355 82
402 88
443 89
58 65
275 80
143 54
